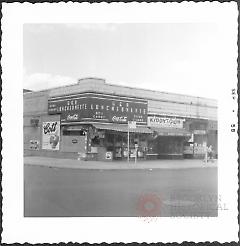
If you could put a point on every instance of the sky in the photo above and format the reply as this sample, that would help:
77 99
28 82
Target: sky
183 58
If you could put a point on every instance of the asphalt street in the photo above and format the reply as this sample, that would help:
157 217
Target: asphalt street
51 192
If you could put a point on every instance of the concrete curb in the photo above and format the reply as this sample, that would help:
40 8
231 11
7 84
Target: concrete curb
121 168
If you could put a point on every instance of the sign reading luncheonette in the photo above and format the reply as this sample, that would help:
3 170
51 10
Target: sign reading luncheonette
165 122
51 135
98 107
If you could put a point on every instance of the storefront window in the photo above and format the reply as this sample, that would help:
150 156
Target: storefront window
118 152
124 140
109 141
118 140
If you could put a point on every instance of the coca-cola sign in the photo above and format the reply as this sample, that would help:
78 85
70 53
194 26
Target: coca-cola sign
119 118
72 117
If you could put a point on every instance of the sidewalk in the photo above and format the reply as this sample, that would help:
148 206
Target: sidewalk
117 165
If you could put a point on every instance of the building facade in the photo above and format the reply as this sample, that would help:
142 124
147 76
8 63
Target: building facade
90 120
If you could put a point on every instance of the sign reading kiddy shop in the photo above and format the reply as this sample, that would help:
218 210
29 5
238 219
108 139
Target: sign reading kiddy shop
164 122
51 135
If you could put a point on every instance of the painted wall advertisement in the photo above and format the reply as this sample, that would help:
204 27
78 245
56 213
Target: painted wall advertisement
99 108
51 135
165 122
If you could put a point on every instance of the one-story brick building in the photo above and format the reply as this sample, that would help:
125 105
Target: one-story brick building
91 120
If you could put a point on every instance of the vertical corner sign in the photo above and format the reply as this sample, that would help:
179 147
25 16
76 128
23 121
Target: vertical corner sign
51 135
132 124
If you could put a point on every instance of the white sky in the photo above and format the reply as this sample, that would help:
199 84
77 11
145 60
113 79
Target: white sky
176 57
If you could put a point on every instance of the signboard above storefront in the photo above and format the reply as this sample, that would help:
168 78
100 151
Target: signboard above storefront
199 132
132 124
165 122
99 108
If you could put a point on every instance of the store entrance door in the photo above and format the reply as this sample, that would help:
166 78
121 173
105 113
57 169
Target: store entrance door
120 146
170 147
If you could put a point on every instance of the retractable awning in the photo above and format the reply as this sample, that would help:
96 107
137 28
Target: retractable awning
74 128
122 128
171 131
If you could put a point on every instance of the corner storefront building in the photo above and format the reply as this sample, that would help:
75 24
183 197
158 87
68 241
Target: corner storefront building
94 120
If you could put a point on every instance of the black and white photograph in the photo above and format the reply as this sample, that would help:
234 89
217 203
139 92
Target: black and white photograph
124 147
121 123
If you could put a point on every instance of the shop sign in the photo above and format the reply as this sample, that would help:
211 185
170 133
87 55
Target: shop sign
98 107
164 122
51 135
199 150
199 132
188 150
119 118
132 124
72 117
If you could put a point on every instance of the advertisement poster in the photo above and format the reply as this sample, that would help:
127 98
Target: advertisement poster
51 135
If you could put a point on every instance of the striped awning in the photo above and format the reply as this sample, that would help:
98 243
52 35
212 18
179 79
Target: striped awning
171 132
122 128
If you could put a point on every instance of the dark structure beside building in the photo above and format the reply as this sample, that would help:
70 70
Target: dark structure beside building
89 120
26 90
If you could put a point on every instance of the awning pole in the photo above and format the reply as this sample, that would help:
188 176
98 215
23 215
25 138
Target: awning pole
128 143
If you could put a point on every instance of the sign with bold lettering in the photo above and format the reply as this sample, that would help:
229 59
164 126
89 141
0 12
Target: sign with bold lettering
98 107
164 122
51 135
199 132
132 124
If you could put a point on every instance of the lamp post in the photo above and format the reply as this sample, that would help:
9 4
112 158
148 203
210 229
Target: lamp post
128 142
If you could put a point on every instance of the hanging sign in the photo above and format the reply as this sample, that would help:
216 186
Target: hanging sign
132 124
51 135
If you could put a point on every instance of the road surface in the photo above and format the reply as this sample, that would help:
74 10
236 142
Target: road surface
75 192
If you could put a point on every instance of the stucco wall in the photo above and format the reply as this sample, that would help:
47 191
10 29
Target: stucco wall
35 103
